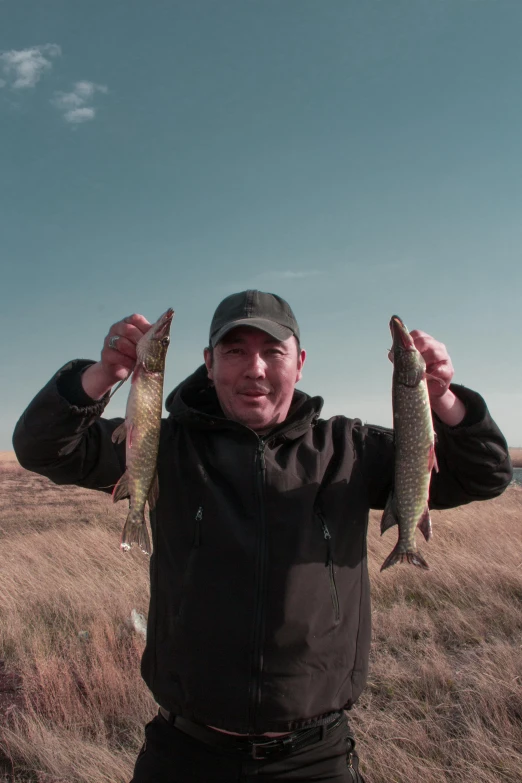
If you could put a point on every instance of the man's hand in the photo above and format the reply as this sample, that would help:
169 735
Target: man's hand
439 370
117 362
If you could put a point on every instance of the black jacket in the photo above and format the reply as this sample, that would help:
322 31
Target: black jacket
259 615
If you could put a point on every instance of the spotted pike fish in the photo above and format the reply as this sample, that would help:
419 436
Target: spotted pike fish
141 429
414 449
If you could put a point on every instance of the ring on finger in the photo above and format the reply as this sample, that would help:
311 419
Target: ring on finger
113 340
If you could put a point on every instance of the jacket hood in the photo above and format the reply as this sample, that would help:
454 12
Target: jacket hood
195 398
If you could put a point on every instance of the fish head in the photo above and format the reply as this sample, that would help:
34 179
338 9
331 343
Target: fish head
152 349
408 363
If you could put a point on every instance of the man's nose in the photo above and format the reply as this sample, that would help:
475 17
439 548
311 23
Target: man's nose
256 367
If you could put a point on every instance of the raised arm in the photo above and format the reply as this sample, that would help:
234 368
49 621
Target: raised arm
61 434
472 453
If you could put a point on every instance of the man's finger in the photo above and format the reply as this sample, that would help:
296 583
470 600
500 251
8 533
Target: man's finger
442 366
440 375
114 359
431 349
418 334
121 344
124 329
139 321
129 332
444 372
424 340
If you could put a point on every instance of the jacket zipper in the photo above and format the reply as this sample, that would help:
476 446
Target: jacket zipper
188 571
349 764
329 564
257 653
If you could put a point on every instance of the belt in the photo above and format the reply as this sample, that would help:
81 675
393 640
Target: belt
255 747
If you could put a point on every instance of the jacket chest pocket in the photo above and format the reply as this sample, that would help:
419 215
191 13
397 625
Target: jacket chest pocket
188 576
329 566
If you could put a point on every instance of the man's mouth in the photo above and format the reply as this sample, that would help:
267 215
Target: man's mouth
254 392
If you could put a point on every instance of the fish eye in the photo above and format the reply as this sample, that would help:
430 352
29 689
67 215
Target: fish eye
165 341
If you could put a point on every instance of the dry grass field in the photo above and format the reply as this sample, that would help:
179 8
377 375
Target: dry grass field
516 457
444 698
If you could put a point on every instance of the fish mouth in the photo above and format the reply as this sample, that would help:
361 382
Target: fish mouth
400 333
164 322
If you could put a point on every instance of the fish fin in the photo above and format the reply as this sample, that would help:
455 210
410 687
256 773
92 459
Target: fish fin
120 433
432 459
414 376
154 491
135 532
121 489
389 517
424 523
414 558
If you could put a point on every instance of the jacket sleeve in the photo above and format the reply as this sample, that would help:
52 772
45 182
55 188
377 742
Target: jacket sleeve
473 458
61 434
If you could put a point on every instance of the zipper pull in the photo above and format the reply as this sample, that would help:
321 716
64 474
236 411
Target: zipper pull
197 530
261 452
327 537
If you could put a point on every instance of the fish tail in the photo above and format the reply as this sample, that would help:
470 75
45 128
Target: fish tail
399 556
135 532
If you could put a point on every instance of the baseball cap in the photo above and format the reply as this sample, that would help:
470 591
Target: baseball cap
267 312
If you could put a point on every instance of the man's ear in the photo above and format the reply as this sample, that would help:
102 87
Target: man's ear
207 355
300 362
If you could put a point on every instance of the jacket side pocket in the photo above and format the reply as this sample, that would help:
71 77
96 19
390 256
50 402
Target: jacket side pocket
187 576
330 566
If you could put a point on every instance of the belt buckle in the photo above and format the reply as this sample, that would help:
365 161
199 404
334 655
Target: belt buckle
262 750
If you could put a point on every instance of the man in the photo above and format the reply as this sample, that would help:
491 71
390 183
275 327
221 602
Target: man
258 630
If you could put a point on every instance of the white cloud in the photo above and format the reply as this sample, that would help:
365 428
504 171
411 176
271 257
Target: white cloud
80 115
73 103
86 89
25 67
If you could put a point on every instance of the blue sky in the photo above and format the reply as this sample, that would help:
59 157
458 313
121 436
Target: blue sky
359 158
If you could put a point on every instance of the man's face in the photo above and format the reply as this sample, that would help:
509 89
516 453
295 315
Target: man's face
254 376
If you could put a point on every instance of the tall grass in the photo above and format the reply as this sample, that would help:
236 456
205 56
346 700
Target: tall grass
444 699
66 595
516 457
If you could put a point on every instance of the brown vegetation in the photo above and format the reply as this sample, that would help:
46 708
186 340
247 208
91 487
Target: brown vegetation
516 457
444 698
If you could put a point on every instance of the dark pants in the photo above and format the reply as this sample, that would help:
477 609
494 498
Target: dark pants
171 756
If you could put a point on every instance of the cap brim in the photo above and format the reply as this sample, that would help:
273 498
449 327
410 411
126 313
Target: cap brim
276 331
